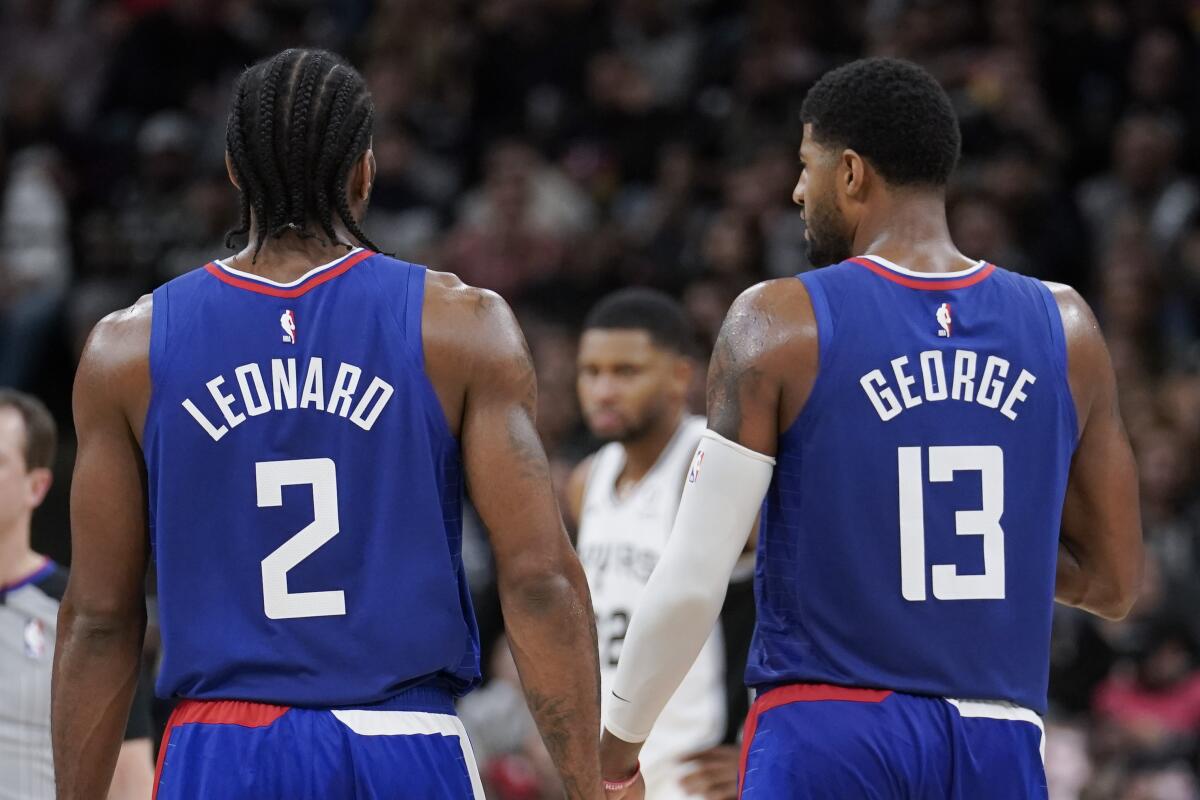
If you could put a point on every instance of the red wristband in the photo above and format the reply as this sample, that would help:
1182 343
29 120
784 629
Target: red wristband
620 786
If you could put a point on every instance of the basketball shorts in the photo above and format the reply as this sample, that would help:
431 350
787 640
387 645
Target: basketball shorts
818 742
410 747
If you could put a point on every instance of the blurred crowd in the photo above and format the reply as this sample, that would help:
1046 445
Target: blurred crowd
553 150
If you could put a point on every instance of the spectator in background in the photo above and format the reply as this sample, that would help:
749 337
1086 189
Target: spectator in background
1154 706
1042 217
31 587
662 222
980 228
35 259
512 231
1144 184
152 206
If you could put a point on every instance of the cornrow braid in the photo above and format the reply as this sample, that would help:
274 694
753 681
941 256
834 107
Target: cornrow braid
236 148
298 174
359 138
327 160
300 120
266 151
244 166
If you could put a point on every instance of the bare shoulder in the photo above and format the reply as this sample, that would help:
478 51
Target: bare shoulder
580 473
476 322
768 325
114 370
1085 341
764 363
123 335
1089 368
473 347
770 314
1078 320
577 488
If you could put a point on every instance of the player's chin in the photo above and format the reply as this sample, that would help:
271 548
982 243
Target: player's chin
820 256
611 434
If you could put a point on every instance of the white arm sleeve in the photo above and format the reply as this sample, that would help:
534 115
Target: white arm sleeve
681 602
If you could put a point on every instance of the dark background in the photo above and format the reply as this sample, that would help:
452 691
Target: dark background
555 149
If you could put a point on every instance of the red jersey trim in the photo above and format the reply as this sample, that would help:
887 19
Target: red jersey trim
931 284
295 291
798 693
215 712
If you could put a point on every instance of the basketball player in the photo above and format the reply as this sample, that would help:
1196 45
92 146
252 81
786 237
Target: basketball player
298 422
633 377
940 451
31 587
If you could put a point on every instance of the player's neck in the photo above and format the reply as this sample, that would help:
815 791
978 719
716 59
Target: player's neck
910 229
17 558
285 258
642 453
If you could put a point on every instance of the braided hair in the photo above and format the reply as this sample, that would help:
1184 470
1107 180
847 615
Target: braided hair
300 120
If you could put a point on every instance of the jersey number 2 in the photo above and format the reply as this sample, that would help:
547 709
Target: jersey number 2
948 584
271 477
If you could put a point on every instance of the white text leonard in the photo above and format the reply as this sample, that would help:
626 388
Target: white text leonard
341 399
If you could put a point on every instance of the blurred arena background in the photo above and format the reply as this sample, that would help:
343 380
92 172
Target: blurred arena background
556 149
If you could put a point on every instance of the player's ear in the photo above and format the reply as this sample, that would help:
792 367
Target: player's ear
229 171
363 175
852 173
40 479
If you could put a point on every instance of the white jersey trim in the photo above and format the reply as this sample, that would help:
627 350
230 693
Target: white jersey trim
992 709
414 723
290 284
883 262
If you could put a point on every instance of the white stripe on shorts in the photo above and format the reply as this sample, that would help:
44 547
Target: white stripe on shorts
992 709
408 723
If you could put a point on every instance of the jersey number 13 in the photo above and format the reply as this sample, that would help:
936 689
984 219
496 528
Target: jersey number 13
948 584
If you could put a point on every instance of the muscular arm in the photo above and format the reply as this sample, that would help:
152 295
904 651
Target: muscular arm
765 337
1100 556
103 614
543 591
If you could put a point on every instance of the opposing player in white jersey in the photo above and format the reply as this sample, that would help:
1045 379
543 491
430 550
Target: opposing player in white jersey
633 377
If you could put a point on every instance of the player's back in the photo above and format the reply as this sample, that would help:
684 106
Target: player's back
910 534
305 490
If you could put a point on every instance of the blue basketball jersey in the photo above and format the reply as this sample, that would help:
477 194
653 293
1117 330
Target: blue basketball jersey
305 490
910 533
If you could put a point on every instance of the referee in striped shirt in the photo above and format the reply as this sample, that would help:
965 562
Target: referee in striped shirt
31 587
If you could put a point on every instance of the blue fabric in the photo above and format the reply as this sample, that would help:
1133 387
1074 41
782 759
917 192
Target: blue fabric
903 748
832 605
396 554
308 754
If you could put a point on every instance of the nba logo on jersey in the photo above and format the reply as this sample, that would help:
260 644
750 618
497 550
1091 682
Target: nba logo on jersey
288 322
943 319
35 639
694 473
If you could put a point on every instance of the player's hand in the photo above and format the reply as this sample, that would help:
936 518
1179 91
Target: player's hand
635 792
715 773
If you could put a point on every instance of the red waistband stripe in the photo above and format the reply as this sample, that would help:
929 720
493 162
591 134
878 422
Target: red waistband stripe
798 693
215 712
